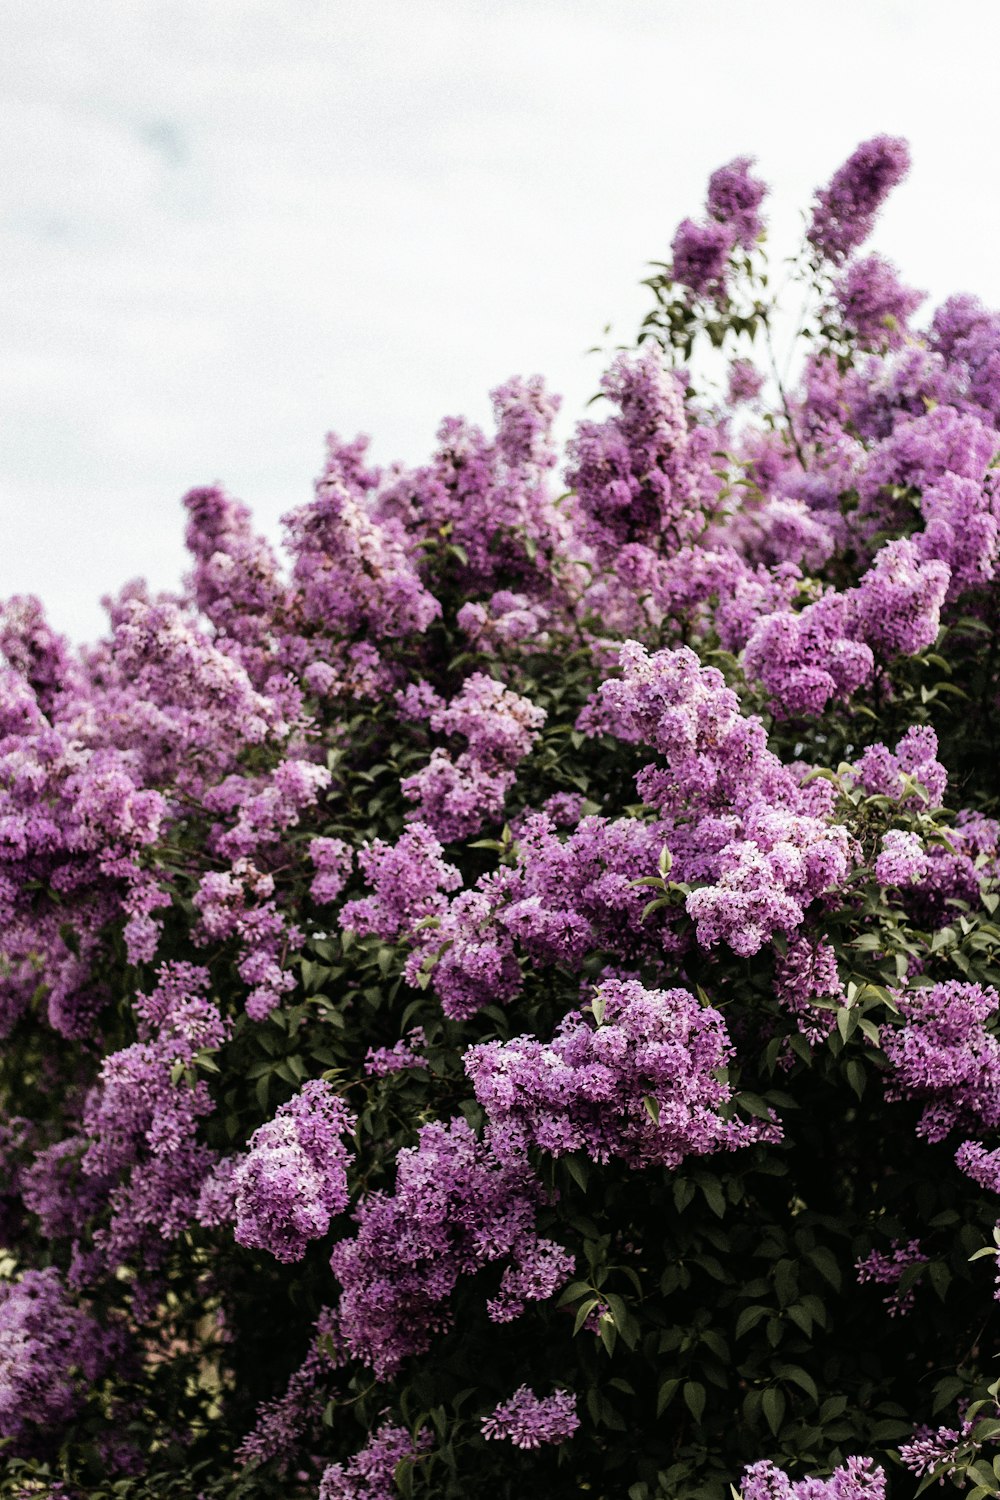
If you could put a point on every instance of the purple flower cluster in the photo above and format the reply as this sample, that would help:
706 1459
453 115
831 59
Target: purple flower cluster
745 382
806 660
369 1474
640 476
911 774
701 255
455 795
293 1179
281 1423
846 208
765 847
456 1208
51 1354
944 1056
939 1450
855 1479
641 1084
396 1059
886 1268
141 1120
734 198
528 1421
873 304
352 572
902 861
830 648
237 903
332 860
804 973
409 879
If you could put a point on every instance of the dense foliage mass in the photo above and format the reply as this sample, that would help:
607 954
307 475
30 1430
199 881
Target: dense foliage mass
503 1002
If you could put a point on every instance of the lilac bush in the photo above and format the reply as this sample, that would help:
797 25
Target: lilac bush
501 995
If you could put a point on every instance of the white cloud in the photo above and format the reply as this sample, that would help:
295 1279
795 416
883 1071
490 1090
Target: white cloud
231 224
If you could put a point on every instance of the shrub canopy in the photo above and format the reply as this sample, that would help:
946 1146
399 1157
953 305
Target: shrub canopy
501 1001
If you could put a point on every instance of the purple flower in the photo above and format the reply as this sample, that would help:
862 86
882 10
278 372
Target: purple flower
369 1474
456 1208
944 1056
640 1085
395 1059
293 1179
806 972
886 1269
734 198
701 256
50 1352
903 860
332 860
528 1421
873 303
409 878
745 382
939 1450
855 1479
897 605
846 208
639 475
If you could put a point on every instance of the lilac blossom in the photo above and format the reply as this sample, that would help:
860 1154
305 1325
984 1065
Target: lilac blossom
873 304
293 1179
409 880
456 1208
911 775
902 860
898 602
380 1061
734 198
886 1268
51 1352
940 1451
855 1479
639 474
369 1474
745 382
846 208
142 1126
332 860
528 1421
641 1084
944 1057
281 1422
804 973
701 255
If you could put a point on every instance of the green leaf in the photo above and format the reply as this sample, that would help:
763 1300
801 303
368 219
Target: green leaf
694 1398
683 1190
847 1020
749 1318
940 1277
799 1377
578 1168
713 1195
773 1406
403 1477
826 1264
983 1474
854 1072
667 1392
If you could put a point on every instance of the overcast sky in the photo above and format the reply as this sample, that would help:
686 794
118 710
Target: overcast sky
229 226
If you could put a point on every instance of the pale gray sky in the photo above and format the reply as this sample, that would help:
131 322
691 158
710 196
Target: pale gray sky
231 225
